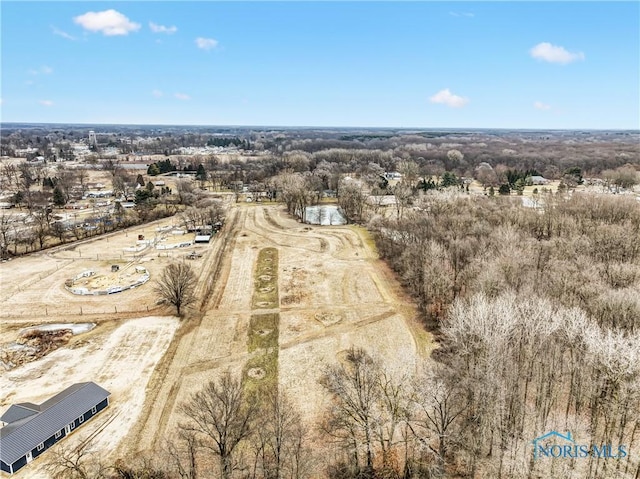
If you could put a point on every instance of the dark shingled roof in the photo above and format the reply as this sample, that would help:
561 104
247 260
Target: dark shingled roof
25 432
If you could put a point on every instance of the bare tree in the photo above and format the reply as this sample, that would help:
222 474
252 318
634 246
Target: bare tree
280 440
111 166
355 389
177 284
75 463
439 402
123 184
6 225
186 193
82 175
403 195
66 180
41 227
352 200
9 177
182 456
409 171
222 415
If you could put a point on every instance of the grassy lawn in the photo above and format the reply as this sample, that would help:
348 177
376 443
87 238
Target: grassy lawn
263 331
261 371
265 291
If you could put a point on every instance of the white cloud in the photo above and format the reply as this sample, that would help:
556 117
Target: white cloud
109 22
155 28
61 33
46 102
445 97
554 54
462 14
1 101
538 105
182 96
206 43
157 93
43 70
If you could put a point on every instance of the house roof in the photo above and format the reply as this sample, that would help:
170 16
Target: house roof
25 432
19 411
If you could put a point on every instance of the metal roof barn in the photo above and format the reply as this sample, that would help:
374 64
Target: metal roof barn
32 428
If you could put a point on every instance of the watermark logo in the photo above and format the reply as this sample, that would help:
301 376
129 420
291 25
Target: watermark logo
556 445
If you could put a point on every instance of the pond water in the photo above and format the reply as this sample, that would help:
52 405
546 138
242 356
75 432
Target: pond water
76 328
324 215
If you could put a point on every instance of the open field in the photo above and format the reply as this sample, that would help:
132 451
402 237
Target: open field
266 282
34 284
333 294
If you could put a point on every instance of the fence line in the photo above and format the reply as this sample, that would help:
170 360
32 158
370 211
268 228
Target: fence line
80 310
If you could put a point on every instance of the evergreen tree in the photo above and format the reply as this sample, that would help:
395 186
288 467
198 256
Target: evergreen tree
59 198
201 174
449 179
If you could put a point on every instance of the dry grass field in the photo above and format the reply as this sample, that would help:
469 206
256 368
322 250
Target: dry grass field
332 293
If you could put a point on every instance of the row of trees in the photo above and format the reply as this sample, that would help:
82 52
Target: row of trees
225 433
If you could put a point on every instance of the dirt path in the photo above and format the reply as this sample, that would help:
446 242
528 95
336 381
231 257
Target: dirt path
331 273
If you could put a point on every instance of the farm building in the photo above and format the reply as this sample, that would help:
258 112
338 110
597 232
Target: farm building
203 238
31 429
538 180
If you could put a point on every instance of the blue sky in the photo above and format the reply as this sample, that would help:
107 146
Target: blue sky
370 64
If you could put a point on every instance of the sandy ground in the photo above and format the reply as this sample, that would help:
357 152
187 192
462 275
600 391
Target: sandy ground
121 359
120 354
34 284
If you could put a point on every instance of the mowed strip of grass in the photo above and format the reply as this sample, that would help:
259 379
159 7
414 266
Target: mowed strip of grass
261 370
261 374
265 289
263 331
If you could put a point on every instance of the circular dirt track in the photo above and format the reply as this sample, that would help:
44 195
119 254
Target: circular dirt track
117 278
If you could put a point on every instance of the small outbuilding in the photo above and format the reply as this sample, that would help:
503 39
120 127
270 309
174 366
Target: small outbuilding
538 180
30 429
203 238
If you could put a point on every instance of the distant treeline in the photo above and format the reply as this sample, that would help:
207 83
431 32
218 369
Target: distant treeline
226 142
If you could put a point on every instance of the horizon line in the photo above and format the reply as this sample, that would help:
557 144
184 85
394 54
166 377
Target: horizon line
323 127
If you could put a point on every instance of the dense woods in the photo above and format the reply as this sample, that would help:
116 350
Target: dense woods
537 313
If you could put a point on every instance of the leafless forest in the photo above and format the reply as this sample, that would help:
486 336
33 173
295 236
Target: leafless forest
538 318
